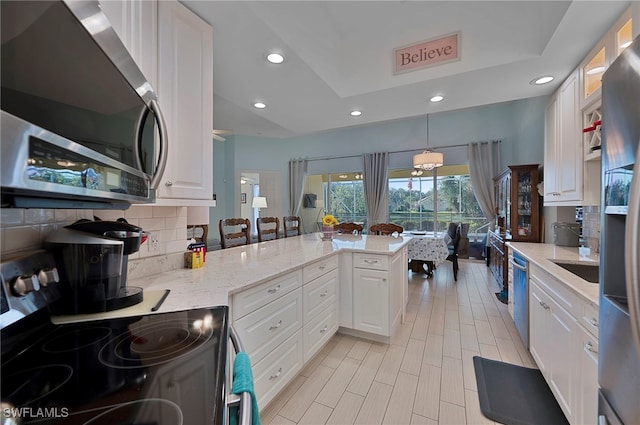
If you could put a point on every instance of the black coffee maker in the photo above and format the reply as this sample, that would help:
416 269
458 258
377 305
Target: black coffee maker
92 257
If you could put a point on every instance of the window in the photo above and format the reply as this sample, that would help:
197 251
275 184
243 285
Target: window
411 198
346 198
412 205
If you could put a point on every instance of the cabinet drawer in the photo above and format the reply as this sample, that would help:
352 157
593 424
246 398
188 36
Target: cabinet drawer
319 294
558 290
269 326
252 299
371 261
318 268
278 368
319 331
589 317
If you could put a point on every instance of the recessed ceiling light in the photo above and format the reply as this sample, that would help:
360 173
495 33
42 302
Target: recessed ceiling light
275 58
437 98
355 113
596 70
542 80
259 105
343 176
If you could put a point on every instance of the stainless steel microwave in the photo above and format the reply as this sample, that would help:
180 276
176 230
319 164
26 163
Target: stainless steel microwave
81 127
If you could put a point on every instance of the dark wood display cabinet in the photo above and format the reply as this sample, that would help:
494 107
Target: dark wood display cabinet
518 217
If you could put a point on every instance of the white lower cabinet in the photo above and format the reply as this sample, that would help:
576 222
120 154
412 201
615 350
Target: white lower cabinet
274 372
266 328
588 390
563 348
319 330
371 301
285 321
379 288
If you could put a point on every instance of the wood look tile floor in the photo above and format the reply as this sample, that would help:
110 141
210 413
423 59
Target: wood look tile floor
425 376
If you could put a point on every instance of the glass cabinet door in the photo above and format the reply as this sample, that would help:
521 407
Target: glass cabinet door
524 207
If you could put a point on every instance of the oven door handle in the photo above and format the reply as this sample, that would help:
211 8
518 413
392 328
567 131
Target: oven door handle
243 399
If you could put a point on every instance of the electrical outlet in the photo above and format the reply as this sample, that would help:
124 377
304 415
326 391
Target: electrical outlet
154 242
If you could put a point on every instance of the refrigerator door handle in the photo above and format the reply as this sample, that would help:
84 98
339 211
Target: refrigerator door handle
602 420
632 251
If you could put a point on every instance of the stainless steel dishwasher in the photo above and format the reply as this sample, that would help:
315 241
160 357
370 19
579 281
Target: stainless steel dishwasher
521 295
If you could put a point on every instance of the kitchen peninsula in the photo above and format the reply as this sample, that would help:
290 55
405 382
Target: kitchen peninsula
287 297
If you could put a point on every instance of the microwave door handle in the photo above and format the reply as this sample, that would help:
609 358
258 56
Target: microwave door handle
631 253
164 145
243 399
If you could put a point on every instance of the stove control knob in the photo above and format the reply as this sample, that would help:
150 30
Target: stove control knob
25 284
47 276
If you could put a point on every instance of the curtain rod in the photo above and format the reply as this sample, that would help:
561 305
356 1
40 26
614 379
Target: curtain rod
325 158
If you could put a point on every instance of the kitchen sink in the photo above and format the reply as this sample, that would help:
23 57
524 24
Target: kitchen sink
588 272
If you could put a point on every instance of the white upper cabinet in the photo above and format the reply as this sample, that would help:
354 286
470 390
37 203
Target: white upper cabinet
185 75
136 23
563 158
173 48
601 56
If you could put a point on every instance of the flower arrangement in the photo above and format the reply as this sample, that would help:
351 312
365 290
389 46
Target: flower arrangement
329 220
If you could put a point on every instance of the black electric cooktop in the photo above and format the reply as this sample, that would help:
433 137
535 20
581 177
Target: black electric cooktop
161 369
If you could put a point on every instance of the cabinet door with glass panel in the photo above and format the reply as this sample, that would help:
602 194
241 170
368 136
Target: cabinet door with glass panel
520 202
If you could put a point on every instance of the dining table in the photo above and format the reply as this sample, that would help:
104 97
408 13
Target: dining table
427 248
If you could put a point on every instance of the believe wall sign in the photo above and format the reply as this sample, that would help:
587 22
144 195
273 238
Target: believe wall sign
427 53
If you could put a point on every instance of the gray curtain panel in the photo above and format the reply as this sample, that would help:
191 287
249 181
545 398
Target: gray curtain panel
297 174
376 187
484 164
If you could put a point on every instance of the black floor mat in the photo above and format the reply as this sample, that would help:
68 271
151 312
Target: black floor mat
515 395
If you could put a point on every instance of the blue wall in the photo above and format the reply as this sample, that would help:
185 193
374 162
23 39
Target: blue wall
519 124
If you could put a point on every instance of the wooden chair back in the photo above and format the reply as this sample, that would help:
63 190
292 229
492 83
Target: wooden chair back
291 226
385 229
234 232
348 228
453 252
268 228
198 232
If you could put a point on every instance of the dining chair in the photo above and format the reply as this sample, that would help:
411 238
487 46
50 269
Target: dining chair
291 226
268 228
198 232
453 252
346 228
234 232
385 229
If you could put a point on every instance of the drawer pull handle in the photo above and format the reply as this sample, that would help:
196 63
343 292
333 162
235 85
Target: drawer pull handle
276 326
589 347
273 290
371 261
324 294
594 322
277 375
323 330
544 305
322 267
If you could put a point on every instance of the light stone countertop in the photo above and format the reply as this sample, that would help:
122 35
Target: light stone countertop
543 255
235 269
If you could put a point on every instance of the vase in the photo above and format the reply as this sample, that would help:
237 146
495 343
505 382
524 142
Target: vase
327 233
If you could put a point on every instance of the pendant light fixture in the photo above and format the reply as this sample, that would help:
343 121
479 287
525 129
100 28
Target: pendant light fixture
428 159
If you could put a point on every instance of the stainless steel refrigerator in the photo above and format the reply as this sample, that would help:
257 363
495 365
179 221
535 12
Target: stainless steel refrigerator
619 357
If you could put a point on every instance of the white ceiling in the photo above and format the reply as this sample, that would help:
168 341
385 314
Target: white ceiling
339 57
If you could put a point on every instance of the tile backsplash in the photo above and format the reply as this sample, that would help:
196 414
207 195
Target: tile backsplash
591 227
24 229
